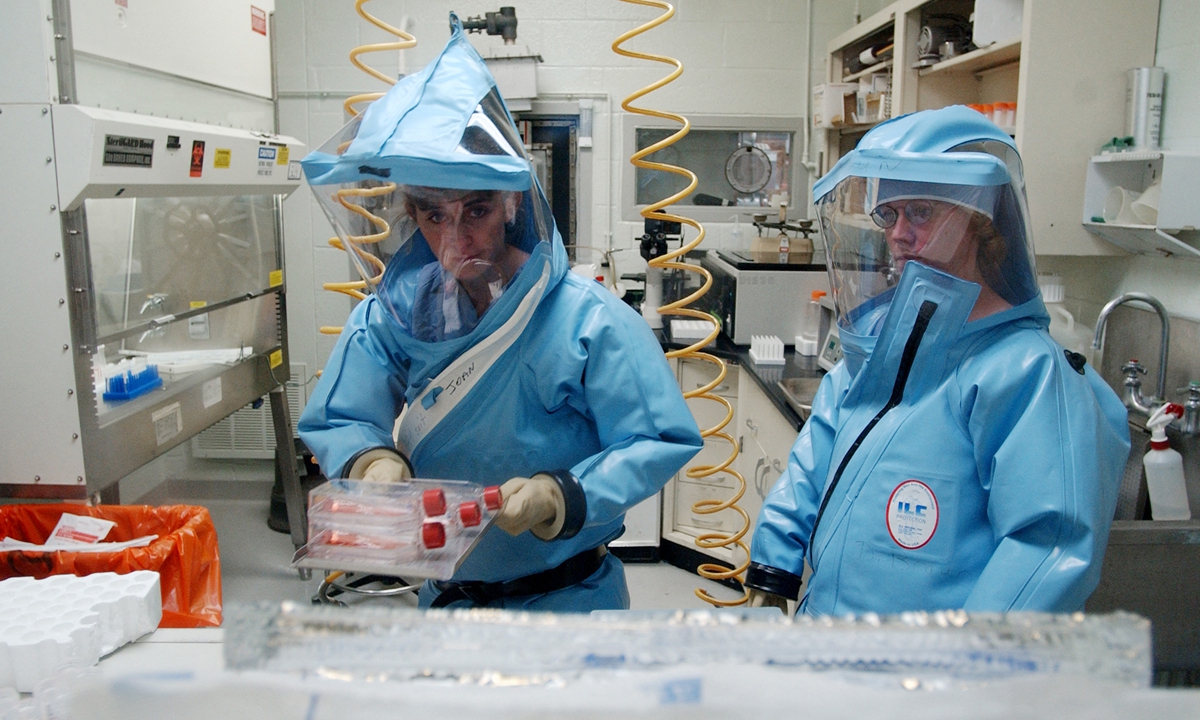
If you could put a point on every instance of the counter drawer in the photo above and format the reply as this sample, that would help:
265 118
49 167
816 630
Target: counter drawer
695 374
688 493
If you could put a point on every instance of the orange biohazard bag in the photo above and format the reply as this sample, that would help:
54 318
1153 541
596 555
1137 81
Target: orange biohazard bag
184 555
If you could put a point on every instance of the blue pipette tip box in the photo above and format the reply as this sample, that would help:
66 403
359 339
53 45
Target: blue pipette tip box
130 385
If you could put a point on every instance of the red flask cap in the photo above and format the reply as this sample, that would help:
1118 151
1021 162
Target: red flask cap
433 534
492 497
469 513
434 501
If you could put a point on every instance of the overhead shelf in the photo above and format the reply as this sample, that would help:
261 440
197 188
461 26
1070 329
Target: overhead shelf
1128 156
869 70
994 55
855 127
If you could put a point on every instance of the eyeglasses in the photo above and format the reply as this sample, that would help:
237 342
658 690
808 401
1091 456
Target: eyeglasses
918 212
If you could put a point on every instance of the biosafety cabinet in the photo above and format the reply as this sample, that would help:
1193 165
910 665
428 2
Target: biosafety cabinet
143 278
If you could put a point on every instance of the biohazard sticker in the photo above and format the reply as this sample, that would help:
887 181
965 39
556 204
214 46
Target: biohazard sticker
912 514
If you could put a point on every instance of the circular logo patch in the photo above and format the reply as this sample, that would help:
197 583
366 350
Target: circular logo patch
912 514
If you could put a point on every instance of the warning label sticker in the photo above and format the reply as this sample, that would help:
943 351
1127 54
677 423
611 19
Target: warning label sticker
258 20
197 158
168 422
266 161
221 157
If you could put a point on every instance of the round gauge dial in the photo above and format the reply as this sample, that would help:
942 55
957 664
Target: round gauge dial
748 169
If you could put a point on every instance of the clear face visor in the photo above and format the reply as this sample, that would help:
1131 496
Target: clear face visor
438 258
872 227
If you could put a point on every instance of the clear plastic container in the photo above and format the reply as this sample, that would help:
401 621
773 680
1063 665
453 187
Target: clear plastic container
810 325
414 529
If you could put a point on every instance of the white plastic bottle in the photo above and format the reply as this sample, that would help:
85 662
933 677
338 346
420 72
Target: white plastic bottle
1073 336
1164 469
810 325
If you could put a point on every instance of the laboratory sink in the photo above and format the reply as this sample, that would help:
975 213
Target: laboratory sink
799 393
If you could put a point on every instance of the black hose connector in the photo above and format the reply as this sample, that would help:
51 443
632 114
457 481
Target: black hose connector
503 23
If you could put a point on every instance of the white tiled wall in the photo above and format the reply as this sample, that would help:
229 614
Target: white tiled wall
1093 281
741 57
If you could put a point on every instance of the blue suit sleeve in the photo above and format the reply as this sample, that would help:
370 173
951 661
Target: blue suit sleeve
359 395
781 533
1051 447
645 429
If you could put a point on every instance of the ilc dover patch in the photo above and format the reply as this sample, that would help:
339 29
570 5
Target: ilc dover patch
912 514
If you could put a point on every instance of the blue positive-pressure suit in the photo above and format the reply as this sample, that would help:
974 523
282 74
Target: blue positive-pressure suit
989 485
947 463
575 386
586 388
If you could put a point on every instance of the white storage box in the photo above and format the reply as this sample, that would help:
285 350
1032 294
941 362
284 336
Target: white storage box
997 21
833 104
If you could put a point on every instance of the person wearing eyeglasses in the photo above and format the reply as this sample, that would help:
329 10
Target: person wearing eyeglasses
957 457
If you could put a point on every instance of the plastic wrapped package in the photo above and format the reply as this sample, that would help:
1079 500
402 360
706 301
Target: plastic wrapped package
185 553
414 529
935 649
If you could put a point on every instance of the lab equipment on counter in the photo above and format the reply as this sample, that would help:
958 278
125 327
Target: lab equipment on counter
783 249
64 619
653 245
756 294
413 529
809 338
1164 468
830 351
690 330
766 350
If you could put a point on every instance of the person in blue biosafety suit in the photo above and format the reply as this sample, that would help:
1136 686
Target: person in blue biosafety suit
511 370
957 457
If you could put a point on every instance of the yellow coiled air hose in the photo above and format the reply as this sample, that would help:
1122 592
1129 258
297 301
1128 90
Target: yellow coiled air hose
356 288
681 307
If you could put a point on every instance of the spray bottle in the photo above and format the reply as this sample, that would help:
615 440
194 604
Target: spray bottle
1164 469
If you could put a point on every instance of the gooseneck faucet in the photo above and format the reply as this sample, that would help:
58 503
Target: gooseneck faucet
1134 400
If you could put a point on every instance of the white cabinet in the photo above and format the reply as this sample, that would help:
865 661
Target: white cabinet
1065 72
1159 215
681 524
764 438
